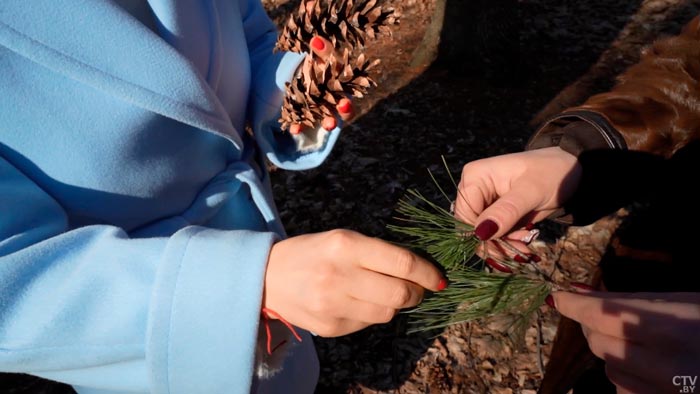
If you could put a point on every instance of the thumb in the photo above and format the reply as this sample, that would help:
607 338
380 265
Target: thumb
501 216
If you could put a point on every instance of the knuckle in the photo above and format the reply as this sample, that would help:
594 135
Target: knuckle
405 263
466 171
595 345
401 296
318 305
385 315
417 300
509 210
339 240
472 167
327 329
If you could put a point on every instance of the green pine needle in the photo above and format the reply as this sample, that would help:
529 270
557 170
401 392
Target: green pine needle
473 293
435 230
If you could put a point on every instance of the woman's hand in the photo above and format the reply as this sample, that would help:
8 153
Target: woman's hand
338 282
501 193
321 50
646 339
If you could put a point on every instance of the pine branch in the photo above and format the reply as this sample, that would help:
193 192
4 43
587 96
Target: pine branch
474 295
435 230
514 293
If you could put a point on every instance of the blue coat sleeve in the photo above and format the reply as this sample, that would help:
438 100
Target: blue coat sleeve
93 307
270 72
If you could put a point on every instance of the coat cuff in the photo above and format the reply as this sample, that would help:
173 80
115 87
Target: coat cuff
205 311
577 132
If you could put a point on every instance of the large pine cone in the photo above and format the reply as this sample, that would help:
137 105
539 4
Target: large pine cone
313 94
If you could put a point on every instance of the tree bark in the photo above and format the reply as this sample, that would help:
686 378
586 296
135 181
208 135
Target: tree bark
473 36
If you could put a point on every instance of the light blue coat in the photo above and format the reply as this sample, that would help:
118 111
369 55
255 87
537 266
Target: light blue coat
135 222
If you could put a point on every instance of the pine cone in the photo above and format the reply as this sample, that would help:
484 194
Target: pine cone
313 94
319 87
342 22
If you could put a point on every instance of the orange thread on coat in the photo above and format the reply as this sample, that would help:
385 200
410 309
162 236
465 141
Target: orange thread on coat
267 314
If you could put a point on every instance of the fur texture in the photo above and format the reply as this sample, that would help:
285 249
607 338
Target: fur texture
656 103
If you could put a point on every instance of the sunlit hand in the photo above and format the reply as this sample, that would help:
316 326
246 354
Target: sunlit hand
321 50
646 339
338 282
501 194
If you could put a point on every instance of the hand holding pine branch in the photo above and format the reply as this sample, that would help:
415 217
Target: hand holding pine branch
335 32
506 283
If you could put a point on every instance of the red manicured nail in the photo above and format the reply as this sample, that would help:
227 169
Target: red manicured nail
581 287
498 266
520 259
442 285
344 106
534 258
486 229
550 301
318 44
529 226
329 123
295 129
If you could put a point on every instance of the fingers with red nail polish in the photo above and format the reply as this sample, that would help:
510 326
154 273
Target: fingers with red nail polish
344 106
321 47
486 229
550 301
498 266
442 285
318 44
345 109
534 257
295 129
329 123
521 259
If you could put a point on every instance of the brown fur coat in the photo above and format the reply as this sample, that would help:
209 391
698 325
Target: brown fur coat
655 105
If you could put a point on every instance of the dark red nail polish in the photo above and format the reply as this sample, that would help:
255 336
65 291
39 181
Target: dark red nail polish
581 286
442 285
498 266
534 258
529 226
318 44
345 106
550 301
520 259
486 229
329 123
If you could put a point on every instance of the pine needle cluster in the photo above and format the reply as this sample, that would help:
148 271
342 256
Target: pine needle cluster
478 288
347 24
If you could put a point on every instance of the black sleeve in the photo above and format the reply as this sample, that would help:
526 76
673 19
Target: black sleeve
612 176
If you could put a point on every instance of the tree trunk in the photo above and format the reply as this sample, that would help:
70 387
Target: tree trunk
474 36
